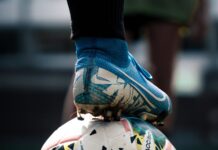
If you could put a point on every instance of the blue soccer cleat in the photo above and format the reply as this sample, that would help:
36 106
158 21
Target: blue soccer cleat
103 88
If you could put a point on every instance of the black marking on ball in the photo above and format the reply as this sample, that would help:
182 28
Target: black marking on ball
104 148
139 142
132 138
71 146
93 132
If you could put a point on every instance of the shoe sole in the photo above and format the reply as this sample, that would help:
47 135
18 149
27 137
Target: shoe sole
111 113
108 113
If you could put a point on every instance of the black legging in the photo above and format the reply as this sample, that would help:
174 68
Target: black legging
97 18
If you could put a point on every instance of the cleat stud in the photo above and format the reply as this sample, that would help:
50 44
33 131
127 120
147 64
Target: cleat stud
80 118
96 108
117 118
82 111
106 119
97 111
108 113
119 113
160 123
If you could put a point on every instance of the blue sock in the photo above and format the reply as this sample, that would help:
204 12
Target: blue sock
114 50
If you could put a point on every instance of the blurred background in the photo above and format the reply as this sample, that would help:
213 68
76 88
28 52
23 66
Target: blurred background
37 62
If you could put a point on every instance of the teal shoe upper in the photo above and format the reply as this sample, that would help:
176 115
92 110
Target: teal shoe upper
156 101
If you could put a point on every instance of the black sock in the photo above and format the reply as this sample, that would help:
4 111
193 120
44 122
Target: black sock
97 18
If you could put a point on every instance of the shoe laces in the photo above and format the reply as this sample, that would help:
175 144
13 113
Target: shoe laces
141 69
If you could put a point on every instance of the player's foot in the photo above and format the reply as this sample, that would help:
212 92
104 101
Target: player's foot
103 88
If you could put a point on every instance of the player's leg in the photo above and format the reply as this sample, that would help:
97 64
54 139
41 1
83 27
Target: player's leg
164 43
164 38
108 80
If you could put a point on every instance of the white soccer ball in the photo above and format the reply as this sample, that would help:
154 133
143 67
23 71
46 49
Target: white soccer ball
89 134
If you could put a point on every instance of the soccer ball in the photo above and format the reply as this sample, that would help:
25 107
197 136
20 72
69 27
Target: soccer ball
126 134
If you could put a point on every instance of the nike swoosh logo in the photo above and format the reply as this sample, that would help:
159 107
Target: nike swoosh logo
104 77
161 99
95 79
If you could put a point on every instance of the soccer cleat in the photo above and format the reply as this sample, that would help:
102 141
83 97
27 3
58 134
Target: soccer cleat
103 88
